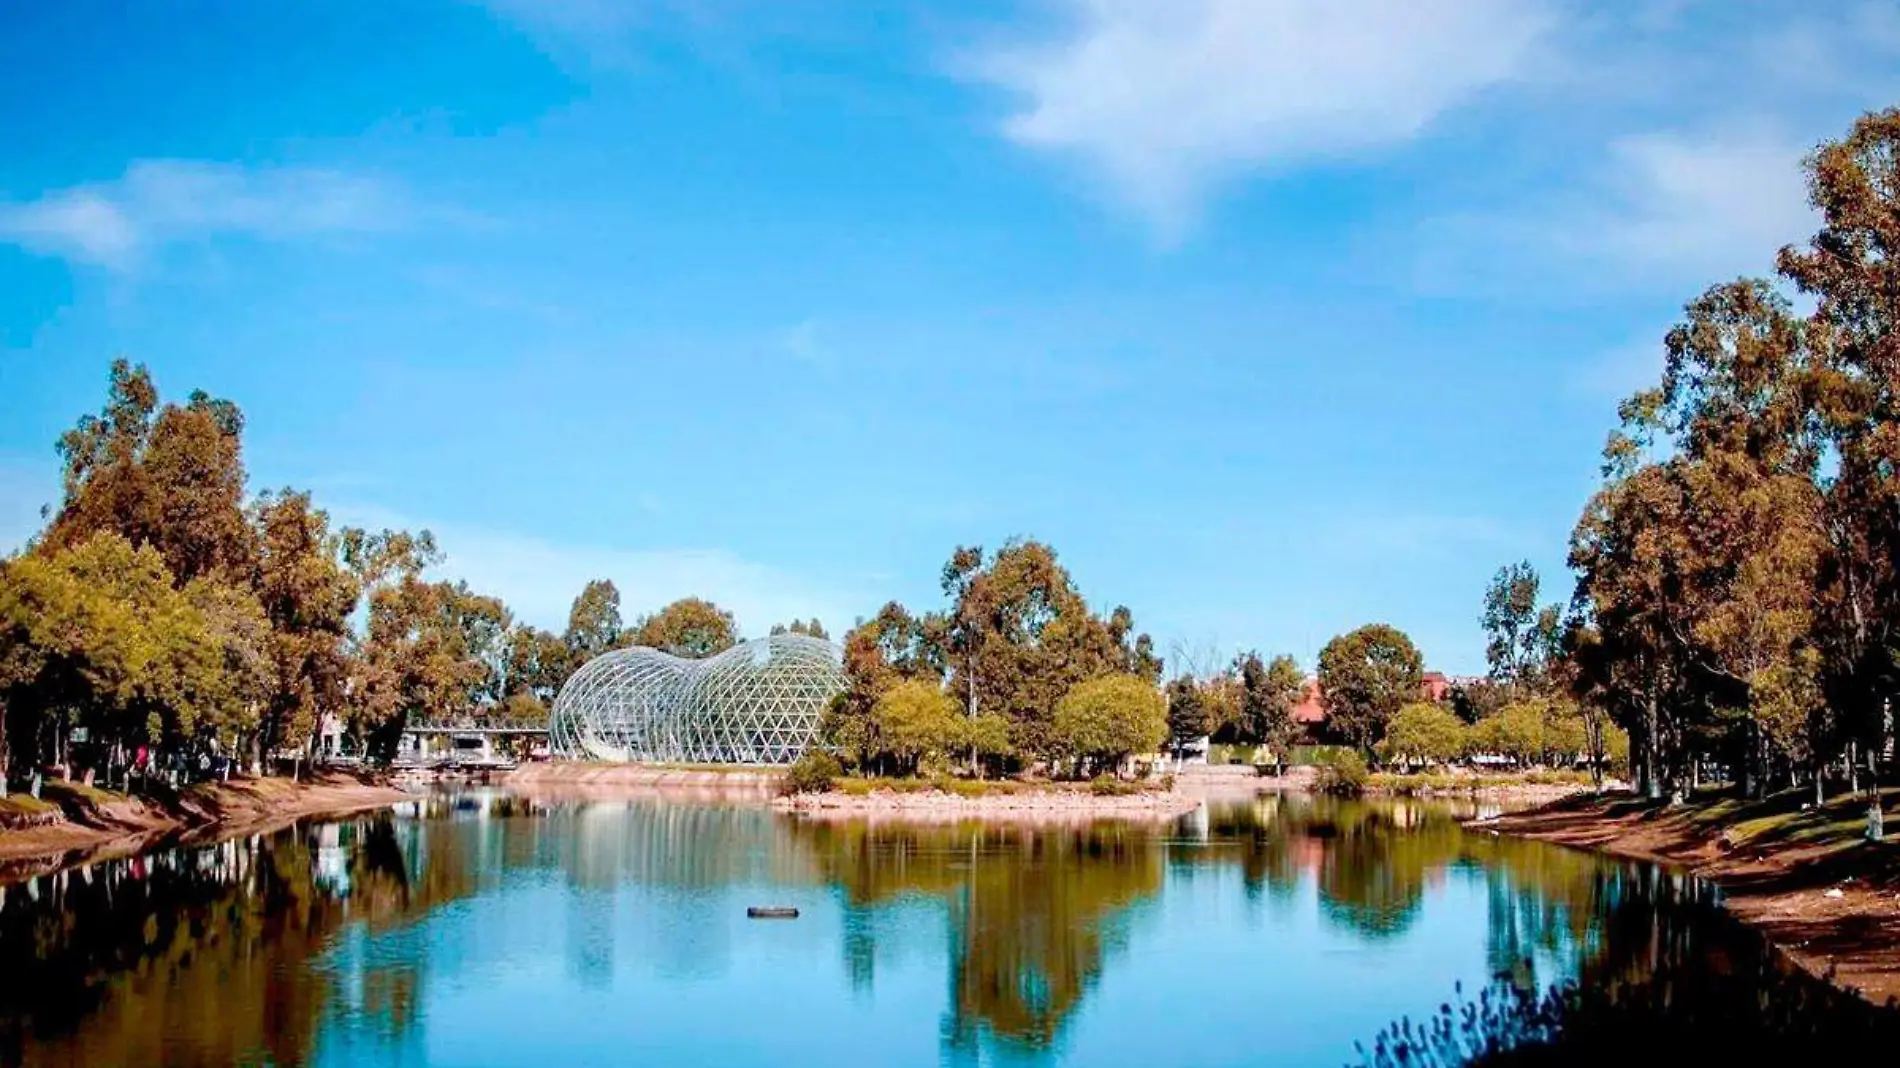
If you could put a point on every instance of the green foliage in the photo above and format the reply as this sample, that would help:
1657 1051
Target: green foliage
1110 786
813 773
1367 676
1018 636
158 610
690 627
1425 733
1104 720
97 636
1521 636
1189 717
915 720
1268 694
593 623
1015 639
1341 771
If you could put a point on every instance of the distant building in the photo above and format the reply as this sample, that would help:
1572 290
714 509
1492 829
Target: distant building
1311 711
1434 686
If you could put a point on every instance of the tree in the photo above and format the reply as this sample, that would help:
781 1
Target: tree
1851 273
1104 720
1188 713
1269 693
810 629
1425 733
1019 636
424 657
986 736
916 720
890 648
689 627
593 624
1709 531
307 596
539 663
1520 635
1366 676
96 636
1473 700
171 478
1517 733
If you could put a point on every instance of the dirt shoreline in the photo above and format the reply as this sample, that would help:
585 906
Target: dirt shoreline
1029 805
1828 902
121 826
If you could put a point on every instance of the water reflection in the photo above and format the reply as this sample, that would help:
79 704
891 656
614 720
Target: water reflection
597 928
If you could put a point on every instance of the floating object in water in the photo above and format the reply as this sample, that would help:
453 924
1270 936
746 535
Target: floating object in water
772 912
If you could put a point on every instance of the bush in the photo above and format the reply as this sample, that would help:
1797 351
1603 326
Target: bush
1103 720
813 773
1110 786
1425 733
1341 771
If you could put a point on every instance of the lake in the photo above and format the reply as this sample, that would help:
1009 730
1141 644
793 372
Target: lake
490 929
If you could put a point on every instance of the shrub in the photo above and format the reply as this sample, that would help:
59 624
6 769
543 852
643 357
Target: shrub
1110 786
1341 771
1103 720
1425 733
812 773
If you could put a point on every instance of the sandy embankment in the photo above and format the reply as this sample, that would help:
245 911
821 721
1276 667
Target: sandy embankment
1040 805
758 785
1826 900
119 826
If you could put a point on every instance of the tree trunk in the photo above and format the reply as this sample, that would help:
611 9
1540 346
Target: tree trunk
1876 820
1649 781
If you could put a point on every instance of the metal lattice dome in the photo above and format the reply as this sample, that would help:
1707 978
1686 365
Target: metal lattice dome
758 702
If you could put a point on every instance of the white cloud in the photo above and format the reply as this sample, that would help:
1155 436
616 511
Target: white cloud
538 579
1165 100
162 201
1707 205
1662 208
588 36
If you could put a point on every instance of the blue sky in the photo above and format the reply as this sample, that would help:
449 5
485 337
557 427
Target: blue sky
1274 316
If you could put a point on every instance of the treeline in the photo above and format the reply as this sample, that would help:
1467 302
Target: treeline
166 622
1371 683
1015 672
1739 569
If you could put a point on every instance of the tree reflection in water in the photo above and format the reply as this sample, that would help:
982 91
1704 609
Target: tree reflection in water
265 949
1032 913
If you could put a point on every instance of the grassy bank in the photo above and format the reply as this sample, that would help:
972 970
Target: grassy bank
1805 876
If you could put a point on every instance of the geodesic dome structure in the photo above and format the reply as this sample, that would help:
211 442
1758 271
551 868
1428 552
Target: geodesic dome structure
758 702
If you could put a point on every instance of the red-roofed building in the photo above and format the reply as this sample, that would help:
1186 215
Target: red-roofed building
1311 711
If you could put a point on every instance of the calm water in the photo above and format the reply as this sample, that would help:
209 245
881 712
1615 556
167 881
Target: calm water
492 930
